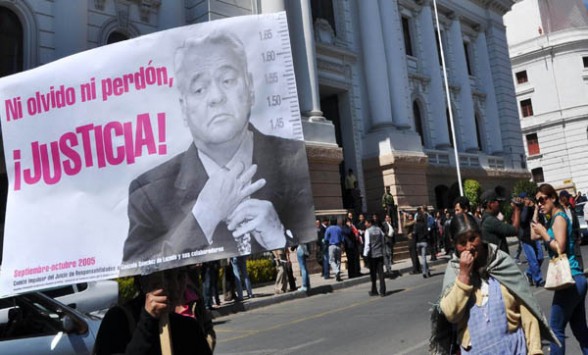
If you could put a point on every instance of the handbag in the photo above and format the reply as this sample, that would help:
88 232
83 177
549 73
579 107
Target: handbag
559 273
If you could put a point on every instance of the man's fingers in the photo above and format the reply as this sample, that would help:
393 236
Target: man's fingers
242 212
250 189
247 175
237 170
246 227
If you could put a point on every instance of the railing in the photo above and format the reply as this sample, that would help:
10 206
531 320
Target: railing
438 157
472 161
496 163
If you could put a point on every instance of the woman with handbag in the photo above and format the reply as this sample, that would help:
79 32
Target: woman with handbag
568 303
486 306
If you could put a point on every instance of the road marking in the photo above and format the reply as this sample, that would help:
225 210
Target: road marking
290 350
299 320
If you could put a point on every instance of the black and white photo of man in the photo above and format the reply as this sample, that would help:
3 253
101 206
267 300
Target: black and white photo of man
234 190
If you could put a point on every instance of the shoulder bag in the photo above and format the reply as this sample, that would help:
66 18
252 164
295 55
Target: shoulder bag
559 273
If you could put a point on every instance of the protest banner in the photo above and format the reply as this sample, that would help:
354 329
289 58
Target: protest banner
170 149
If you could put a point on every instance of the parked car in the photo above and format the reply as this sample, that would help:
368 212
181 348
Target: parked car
583 224
86 297
37 324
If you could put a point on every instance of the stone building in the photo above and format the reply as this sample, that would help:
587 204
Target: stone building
369 79
549 55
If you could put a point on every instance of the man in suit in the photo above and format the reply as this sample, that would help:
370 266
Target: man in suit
234 190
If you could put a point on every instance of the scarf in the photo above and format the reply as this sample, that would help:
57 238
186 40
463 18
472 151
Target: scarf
501 267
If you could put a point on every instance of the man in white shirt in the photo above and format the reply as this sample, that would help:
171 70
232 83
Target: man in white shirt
374 251
388 244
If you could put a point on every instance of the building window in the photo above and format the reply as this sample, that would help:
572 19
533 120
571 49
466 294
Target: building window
116 37
533 144
418 121
323 9
479 133
538 175
466 50
438 46
11 43
527 108
585 62
451 143
522 77
407 38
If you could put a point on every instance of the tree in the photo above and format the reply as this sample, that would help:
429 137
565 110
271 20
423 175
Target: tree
529 187
472 190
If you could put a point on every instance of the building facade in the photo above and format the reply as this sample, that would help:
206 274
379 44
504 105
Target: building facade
369 78
549 54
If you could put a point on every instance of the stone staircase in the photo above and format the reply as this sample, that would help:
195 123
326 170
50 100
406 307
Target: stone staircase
401 249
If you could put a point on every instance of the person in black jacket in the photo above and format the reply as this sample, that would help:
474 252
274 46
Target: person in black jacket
133 328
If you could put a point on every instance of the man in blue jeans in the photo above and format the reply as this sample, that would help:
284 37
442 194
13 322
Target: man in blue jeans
302 254
532 248
334 239
239 264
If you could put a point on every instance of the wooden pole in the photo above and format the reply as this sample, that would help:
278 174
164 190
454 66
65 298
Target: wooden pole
164 334
164 326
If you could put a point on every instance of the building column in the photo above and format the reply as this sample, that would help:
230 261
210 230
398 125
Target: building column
374 64
491 120
437 104
171 14
303 48
396 59
71 27
466 134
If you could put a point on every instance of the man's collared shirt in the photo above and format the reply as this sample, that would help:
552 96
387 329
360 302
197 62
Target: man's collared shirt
334 235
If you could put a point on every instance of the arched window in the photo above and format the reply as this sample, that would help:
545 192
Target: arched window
11 43
116 37
418 121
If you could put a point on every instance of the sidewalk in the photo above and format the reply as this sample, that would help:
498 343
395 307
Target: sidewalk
264 294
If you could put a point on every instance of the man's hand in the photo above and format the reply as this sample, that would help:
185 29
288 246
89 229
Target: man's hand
156 303
221 195
466 264
259 218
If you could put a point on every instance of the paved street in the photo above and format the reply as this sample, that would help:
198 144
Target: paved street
346 321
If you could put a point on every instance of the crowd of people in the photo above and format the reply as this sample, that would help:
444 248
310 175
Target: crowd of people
486 304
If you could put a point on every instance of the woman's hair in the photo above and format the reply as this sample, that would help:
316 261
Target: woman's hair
463 225
550 192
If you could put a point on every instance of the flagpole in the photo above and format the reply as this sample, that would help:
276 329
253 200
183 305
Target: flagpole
446 81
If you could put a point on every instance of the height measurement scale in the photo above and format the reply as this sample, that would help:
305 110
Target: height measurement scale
277 102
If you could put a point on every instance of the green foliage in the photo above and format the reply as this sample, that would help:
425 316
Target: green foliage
126 289
525 186
261 270
472 190
506 210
